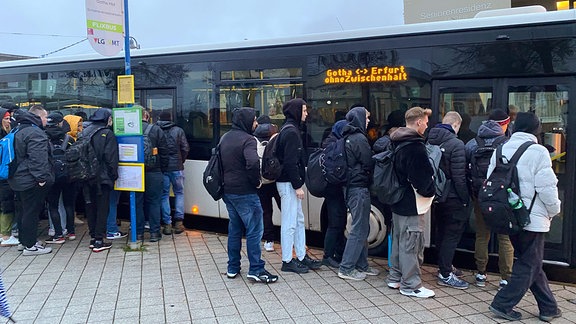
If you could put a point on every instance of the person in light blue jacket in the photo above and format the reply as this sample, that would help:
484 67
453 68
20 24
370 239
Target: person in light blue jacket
539 183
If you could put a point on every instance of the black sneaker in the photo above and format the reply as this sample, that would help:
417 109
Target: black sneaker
511 315
92 241
294 266
311 263
264 277
329 262
155 237
100 246
549 318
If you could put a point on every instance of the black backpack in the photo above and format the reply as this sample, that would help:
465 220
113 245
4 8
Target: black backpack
213 176
315 178
334 162
59 163
150 156
271 164
498 214
81 160
385 184
479 162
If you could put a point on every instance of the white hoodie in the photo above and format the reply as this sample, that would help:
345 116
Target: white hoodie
535 174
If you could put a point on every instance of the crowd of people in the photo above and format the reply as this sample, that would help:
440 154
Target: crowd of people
249 203
34 183
38 180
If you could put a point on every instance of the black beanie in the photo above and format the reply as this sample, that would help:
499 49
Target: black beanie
527 122
264 119
499 116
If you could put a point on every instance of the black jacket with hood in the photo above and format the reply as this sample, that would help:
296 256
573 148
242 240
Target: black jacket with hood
454 160
413 169
105 146
157 140
358 151
240 159
178 153
31 147
289 147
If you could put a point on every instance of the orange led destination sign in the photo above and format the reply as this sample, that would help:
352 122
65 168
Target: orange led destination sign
370 74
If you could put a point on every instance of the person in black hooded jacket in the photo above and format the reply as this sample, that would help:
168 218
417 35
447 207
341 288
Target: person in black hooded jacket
57 135
453 213
291 154
415 174
354 265
33 176
241 170
97 194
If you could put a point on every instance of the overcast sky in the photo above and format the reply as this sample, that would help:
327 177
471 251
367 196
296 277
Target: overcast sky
27 25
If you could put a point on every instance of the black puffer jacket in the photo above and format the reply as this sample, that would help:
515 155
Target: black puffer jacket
177 152
454 160
32 153
358 151
413 169
240 159
289 147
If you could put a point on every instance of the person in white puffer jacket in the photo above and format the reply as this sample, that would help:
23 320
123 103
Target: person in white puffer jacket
535 175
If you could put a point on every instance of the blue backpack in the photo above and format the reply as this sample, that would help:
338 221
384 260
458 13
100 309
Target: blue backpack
7 154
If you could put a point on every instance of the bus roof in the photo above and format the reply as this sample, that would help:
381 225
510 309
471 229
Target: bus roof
389 31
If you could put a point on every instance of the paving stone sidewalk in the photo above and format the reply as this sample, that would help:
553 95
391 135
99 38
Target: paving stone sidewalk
181 279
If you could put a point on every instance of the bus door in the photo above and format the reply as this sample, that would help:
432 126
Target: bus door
549 99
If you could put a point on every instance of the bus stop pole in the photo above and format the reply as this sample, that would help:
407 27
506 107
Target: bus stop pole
128 71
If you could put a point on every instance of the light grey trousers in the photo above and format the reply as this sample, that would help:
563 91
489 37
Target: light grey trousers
407 251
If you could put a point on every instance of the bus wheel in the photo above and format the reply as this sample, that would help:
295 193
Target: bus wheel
377 242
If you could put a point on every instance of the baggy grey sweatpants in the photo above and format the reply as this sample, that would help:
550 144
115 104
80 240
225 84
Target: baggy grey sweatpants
407 251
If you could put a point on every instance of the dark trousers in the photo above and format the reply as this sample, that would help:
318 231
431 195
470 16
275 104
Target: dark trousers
149 203
266 193
68 191
31 202
334 239
451 218
527 274
97 205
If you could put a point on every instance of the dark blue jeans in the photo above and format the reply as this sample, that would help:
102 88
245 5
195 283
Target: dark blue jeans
527 274
245 214
356 250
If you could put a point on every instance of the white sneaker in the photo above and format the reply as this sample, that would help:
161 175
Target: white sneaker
36 249
503 283
51 232
394 285
420 293
269 246
12 241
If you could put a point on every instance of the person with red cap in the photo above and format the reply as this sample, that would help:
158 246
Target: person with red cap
490 134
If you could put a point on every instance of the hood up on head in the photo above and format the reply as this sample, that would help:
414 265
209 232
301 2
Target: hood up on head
292 109
243 119
356 118
74 121
338 128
